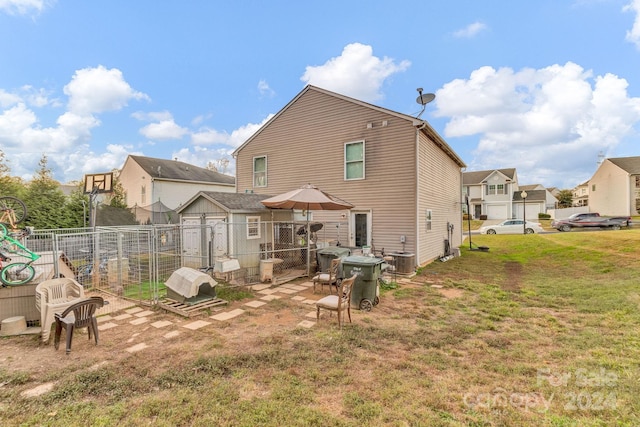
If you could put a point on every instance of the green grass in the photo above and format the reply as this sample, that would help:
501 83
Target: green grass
542 330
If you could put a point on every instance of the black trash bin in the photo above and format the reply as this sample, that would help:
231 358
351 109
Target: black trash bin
325 255
366 290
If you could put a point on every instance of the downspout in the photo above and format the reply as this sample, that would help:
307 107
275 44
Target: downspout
417 196
468 205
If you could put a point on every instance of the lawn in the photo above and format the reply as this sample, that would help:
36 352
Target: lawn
541 330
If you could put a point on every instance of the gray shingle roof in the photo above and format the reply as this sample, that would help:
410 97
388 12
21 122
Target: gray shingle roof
180 171
532 195
476 177
628 164
232 202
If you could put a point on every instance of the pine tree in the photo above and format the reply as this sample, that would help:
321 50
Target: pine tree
45 200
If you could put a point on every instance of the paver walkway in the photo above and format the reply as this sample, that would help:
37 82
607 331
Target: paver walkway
122 313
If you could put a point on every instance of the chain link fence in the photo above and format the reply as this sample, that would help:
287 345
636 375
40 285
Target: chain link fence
134 262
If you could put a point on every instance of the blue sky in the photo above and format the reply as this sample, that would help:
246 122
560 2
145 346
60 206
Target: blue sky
544 86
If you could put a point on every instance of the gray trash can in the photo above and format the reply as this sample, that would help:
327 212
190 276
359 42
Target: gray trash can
366 290
325 255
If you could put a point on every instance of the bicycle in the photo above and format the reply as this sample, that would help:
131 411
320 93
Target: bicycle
17 273
12 212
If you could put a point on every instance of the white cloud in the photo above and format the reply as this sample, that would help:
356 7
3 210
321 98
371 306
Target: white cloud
470 30
237 137
164 130
551 119
24 138
633 35
23 7
356 73
96 90
264 89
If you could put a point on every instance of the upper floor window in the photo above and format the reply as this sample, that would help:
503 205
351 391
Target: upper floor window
496 189
260 171
143 195
637 181
354 160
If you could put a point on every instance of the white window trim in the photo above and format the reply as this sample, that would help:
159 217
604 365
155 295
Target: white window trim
253 167
364 155
253 222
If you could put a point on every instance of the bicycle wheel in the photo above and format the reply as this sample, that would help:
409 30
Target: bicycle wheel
17 273
12 210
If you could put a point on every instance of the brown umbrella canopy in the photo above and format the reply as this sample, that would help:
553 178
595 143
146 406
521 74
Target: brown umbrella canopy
307 197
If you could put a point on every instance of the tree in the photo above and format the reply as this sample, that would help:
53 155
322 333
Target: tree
118 198
9 186
565 198
45 200
77 207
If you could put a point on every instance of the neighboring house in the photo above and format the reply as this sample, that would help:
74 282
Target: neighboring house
614 188
403 179
536 202
490 192
581 195
147 181
550 201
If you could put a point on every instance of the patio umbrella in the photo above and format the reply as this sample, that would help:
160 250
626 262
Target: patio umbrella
308 198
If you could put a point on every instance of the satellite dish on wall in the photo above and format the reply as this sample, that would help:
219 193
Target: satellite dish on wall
423 99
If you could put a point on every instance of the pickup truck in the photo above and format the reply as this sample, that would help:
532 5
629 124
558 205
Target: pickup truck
591 219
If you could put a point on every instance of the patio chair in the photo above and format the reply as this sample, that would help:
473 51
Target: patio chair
330 277
82 314
54 296
339 303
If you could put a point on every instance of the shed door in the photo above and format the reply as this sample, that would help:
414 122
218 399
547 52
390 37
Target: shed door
217 238
191 237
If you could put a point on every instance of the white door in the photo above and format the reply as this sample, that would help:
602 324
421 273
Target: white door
191 237
360 229
217 238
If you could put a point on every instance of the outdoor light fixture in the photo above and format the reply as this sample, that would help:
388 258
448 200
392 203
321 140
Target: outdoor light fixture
524 211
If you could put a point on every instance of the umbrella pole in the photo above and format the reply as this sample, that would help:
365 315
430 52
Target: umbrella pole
308 246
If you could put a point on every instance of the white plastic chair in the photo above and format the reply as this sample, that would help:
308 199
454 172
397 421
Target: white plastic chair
54 296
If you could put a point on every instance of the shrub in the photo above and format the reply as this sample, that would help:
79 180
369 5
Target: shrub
544 216
483 217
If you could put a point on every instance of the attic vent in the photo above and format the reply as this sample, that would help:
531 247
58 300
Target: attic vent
385 123
369 125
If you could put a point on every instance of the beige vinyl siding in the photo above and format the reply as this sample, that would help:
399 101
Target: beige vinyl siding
614 191
305 144
132 178
440 190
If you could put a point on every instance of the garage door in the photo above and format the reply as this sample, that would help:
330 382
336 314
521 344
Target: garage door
496 212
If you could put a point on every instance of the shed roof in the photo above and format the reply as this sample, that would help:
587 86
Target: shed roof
231 202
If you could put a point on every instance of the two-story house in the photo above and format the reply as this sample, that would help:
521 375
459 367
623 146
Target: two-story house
614 189
490 192
581 195
148 181
403 179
